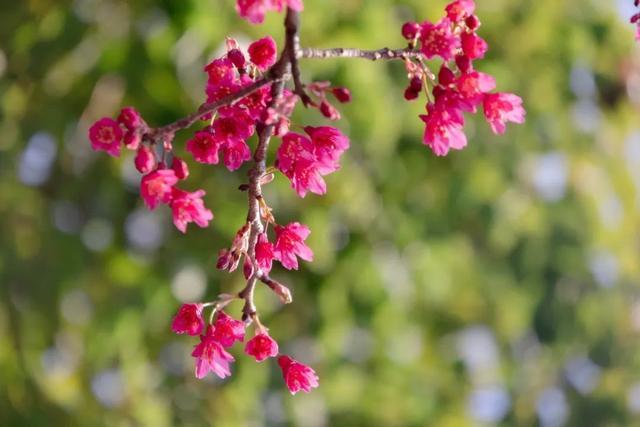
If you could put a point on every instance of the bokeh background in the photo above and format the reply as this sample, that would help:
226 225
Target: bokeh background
497 286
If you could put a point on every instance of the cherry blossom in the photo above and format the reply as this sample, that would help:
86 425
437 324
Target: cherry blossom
188 320
211 356
297 376
261 346
106 135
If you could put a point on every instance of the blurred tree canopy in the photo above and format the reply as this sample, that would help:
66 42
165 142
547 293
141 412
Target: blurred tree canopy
497 286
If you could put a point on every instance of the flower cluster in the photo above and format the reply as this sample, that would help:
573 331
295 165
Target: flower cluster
211 353
158 184
458 86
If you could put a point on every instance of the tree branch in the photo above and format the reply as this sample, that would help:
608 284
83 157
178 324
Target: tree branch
185 122
372 55
292 24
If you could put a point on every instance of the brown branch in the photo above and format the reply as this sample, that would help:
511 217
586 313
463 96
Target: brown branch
372 55
167 131
292 24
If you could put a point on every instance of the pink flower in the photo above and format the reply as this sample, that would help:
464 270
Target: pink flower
475 83
439 40
263 52
458 10
254 10
234 123
443 130
211 356
297 376
500 108
328 145
156 187
264 253
290 242
262 346
297 160
189 207
227 330
204 147
235 154
188 320
220 72
473 45
130 118
106 135
145 159
256 102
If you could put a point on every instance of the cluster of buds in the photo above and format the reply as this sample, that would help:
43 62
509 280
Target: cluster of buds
321 90
457 88
217 336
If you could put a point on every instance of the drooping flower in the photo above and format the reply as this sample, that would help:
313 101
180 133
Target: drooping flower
227 330
261 346
473 84
145 159
189 207
211 356
443 130
188 320
204 147
264 253
236 152
297 160
500 108
106 135
328 145
263 53
156 187
290 243
439 40
297 376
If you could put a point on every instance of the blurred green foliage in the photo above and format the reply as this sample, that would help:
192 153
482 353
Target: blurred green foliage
497 286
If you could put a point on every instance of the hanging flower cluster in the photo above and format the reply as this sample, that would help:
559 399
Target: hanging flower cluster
458 86
247 105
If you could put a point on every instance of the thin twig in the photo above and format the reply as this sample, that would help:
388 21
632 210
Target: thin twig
372 55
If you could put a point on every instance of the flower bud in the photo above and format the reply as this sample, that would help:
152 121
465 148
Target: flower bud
329 111
410 30
446 76
342 94
145 159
